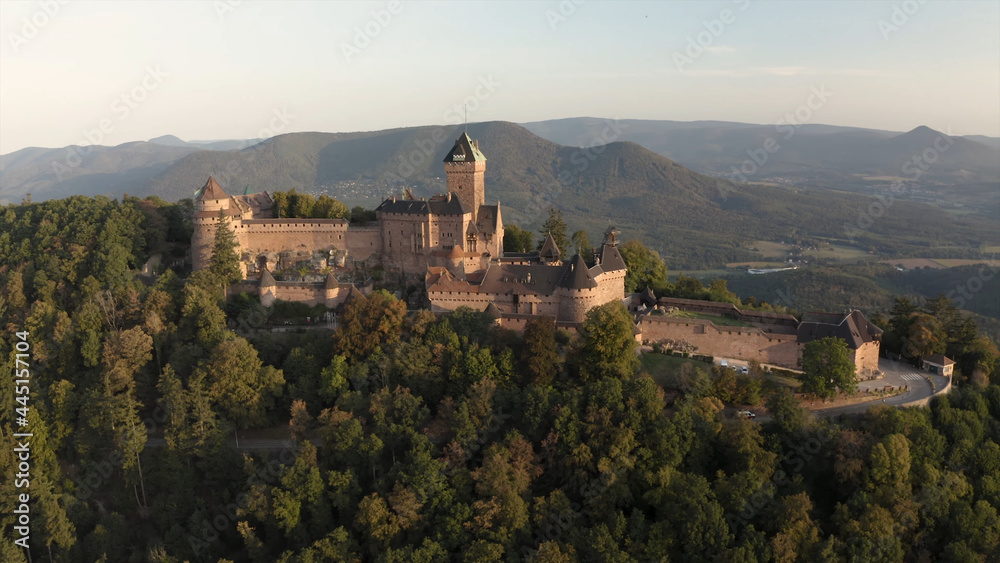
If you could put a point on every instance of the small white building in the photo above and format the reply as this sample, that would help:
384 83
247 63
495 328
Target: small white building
939 364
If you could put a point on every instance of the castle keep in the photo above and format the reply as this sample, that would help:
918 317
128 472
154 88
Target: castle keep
455 240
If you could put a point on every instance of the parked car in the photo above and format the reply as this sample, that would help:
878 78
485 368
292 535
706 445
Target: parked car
746 414
745 370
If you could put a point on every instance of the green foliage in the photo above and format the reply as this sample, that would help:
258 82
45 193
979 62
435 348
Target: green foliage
581 241
608 342
225 264
645 267
827 367
540 359
303 205
368 323
516 239
555 226
425 439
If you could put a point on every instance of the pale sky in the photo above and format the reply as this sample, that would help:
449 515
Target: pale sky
230 69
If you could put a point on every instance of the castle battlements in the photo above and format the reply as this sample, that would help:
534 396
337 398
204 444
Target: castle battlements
455 240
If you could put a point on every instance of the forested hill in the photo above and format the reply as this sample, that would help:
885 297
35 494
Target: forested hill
698 220
704 220
412 437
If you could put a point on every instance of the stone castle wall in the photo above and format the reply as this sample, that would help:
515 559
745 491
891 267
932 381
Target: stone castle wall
745 343
866 358
274 235
407 240
468 181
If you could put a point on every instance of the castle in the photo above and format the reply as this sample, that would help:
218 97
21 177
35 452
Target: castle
454 240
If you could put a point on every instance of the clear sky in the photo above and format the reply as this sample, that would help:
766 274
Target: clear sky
224 69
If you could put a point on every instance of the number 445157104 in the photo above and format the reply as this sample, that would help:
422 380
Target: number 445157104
22 374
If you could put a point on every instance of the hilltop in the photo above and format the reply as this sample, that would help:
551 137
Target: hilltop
697 219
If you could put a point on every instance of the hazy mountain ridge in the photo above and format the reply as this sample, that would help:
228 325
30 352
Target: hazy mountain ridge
721 147
698 219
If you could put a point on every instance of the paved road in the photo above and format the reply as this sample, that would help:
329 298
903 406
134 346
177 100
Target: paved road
897 374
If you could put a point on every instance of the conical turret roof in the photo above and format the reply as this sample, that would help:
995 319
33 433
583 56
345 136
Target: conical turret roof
578 275
266 279
211 190
549 248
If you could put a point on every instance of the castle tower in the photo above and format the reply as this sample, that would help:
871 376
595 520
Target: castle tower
208 201
465 167
267 289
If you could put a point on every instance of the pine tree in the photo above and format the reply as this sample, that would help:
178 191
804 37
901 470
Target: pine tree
225 264
555 226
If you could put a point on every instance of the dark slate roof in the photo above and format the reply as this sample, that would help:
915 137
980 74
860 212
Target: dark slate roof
331 281
266 279
211 190
647 297
611 259
939 359
464 151
577 275
436 206
523 279
549 248
354 294
852 327
487 219
492 310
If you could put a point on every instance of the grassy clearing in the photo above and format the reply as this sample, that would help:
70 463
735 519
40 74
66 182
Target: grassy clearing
839 253
720 321
702 274
952 262
769 249
783 381
755 264
663 368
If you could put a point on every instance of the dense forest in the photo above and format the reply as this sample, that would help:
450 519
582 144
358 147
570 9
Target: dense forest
402 436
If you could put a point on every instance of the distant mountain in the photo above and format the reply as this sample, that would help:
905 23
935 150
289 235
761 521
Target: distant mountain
820 151
694 219
227 145
96 170
91 170
992 142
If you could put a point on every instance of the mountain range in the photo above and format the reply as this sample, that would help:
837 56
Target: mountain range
697 219
806 151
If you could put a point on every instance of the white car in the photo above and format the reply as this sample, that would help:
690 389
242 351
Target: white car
746 414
